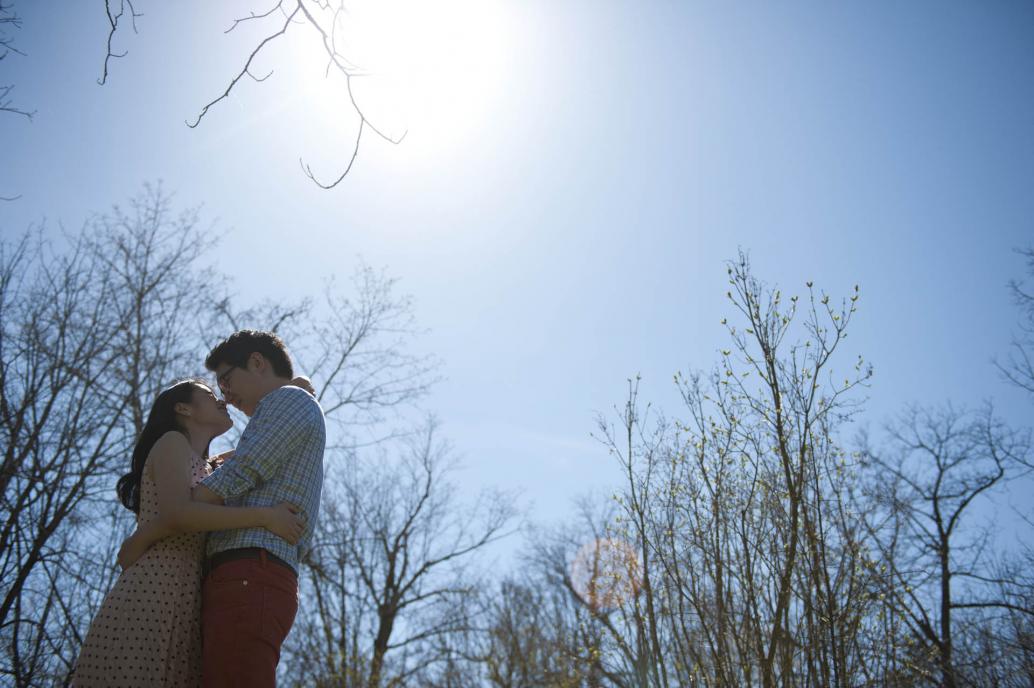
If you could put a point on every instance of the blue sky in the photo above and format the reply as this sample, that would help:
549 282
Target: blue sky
573 181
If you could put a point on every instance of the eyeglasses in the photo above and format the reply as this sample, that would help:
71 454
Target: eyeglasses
224 379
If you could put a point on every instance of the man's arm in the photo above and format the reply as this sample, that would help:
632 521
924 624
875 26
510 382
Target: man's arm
271 438
282 520
180 512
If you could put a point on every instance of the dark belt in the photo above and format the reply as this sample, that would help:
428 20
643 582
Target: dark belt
220 558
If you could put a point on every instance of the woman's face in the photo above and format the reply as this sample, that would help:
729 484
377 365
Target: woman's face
209 411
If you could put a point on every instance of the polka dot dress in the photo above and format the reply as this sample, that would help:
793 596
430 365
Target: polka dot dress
148 631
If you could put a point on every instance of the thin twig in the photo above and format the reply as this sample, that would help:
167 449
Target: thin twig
349 71
355 152
347 68
274 8
5 103
7 16
113 20
245 70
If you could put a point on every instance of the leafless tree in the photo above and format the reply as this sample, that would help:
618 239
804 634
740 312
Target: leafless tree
740 507
153 256
360 348
387 574
586 624
758 549
937 568
526 630
742 564
62 434
638 448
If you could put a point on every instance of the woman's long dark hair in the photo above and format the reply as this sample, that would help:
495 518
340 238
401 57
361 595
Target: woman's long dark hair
160 420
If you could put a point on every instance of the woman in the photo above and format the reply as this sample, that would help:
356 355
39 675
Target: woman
148 632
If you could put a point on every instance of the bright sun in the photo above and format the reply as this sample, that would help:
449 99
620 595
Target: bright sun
431 71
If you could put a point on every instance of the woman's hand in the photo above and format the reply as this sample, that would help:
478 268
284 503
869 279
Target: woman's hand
283 520
305 383
219 459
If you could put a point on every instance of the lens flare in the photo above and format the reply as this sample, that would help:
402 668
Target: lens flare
605 573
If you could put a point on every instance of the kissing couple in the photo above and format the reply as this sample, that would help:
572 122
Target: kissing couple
209 586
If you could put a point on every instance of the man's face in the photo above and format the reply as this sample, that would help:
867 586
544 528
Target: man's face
239 385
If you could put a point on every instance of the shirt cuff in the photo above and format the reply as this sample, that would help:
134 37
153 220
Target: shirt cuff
226 482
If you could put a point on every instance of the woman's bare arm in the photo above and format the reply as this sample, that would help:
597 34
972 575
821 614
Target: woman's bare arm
178 513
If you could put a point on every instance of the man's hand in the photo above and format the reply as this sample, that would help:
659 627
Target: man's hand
131 550
283 520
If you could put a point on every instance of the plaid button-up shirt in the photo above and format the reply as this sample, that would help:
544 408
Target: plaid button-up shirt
279 459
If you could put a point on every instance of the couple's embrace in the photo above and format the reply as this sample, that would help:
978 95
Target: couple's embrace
186 612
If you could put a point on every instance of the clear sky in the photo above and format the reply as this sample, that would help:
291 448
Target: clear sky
574 176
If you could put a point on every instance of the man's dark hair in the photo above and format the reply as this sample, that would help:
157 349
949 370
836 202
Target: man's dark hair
236 349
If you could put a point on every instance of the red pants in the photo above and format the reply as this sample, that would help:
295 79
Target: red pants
247 608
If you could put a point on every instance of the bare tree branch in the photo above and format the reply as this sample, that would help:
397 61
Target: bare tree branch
327 28
114 19
247 66
1018 368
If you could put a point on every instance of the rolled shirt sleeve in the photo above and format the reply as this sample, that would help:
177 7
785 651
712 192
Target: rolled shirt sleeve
279 426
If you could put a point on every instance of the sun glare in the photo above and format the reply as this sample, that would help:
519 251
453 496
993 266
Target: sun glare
428 71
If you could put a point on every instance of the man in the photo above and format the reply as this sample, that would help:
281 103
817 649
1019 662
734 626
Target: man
250 588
